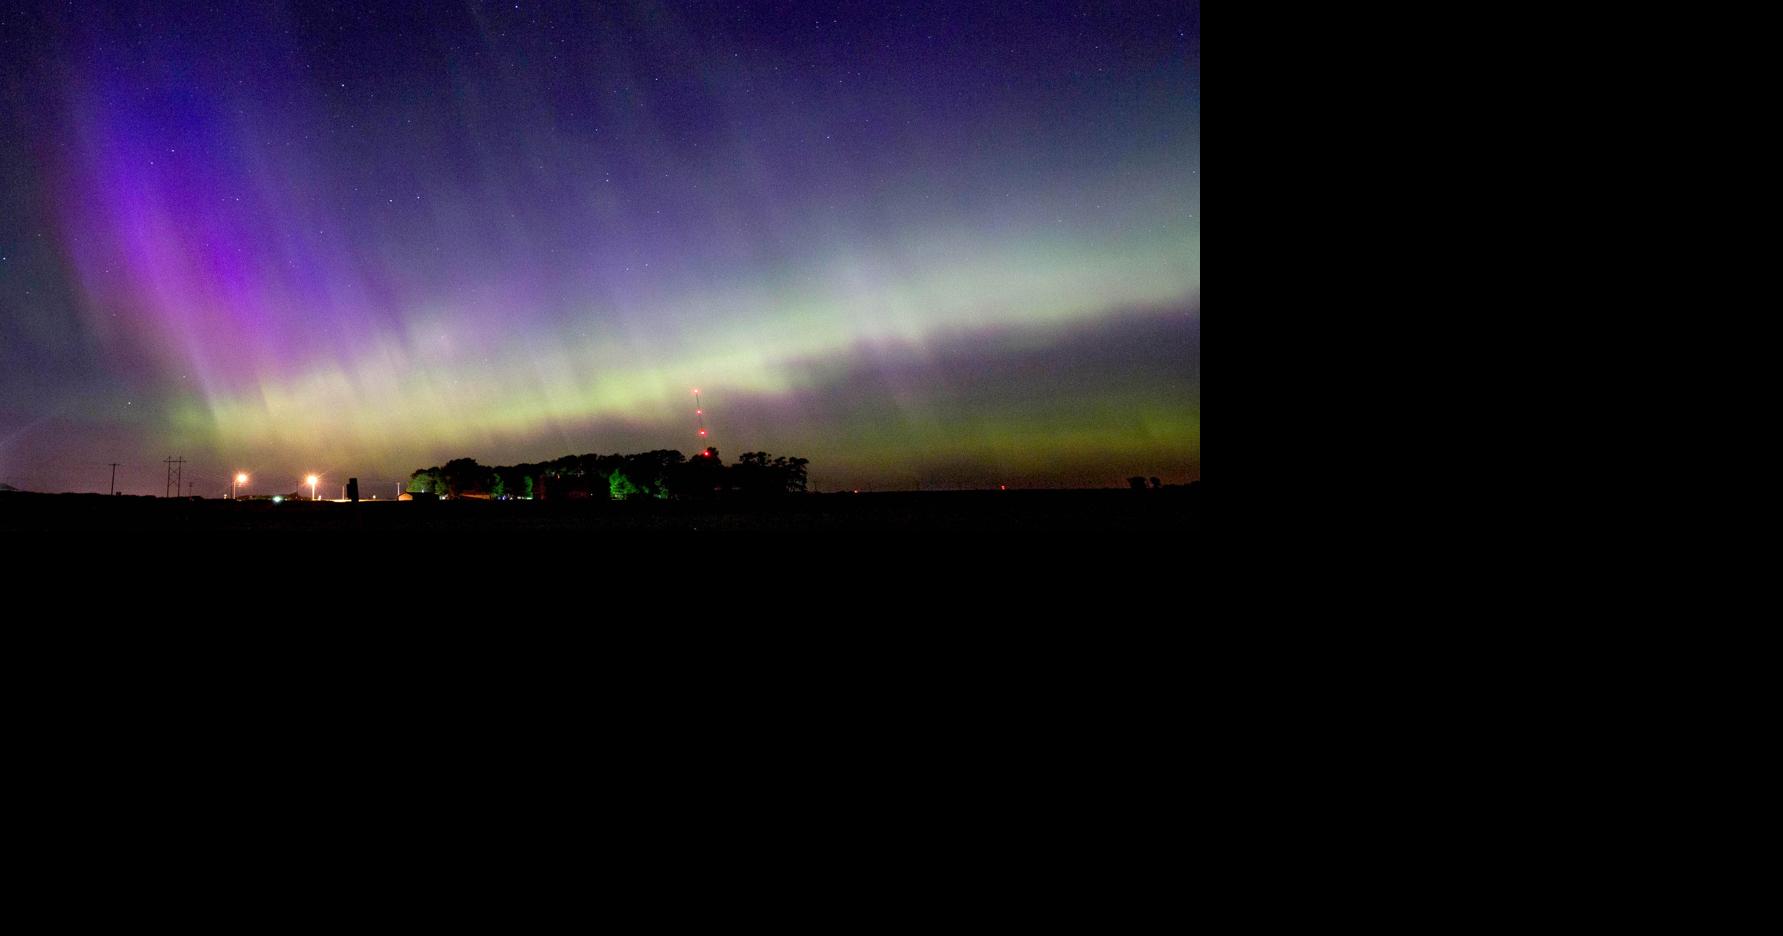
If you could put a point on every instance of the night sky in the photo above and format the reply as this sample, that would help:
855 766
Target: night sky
932 245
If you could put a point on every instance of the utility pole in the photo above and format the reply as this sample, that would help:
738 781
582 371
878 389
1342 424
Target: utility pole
114 477
174 479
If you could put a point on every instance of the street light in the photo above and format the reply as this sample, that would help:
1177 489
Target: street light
241 477
311 481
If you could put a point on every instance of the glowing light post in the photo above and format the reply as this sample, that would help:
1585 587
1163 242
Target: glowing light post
241 478
311 481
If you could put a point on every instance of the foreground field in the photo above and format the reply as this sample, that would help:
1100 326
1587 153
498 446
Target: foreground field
1173 509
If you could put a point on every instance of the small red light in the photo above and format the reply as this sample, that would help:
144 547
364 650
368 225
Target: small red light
702 433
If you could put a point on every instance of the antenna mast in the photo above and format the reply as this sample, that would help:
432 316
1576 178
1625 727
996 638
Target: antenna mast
699 412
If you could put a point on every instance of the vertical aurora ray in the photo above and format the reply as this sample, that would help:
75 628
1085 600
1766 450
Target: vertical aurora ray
381 239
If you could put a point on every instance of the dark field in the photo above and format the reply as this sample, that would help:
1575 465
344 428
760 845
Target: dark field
1167 510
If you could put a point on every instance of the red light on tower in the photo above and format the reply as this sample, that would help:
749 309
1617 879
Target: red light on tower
699 413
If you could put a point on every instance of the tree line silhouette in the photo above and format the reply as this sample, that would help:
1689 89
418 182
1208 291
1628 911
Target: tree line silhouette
661 474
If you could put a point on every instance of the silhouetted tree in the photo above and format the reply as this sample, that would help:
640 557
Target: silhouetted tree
661 473
1136 483
464 476
512 481
700 477
793 473
758 474
621 487
653 472
565 467
427 481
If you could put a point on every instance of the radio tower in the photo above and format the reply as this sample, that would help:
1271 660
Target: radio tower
176 469
699 413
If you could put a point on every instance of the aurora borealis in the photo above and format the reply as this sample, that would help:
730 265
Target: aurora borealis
923 245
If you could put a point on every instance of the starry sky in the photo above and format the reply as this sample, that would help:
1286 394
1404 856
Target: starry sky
924 245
